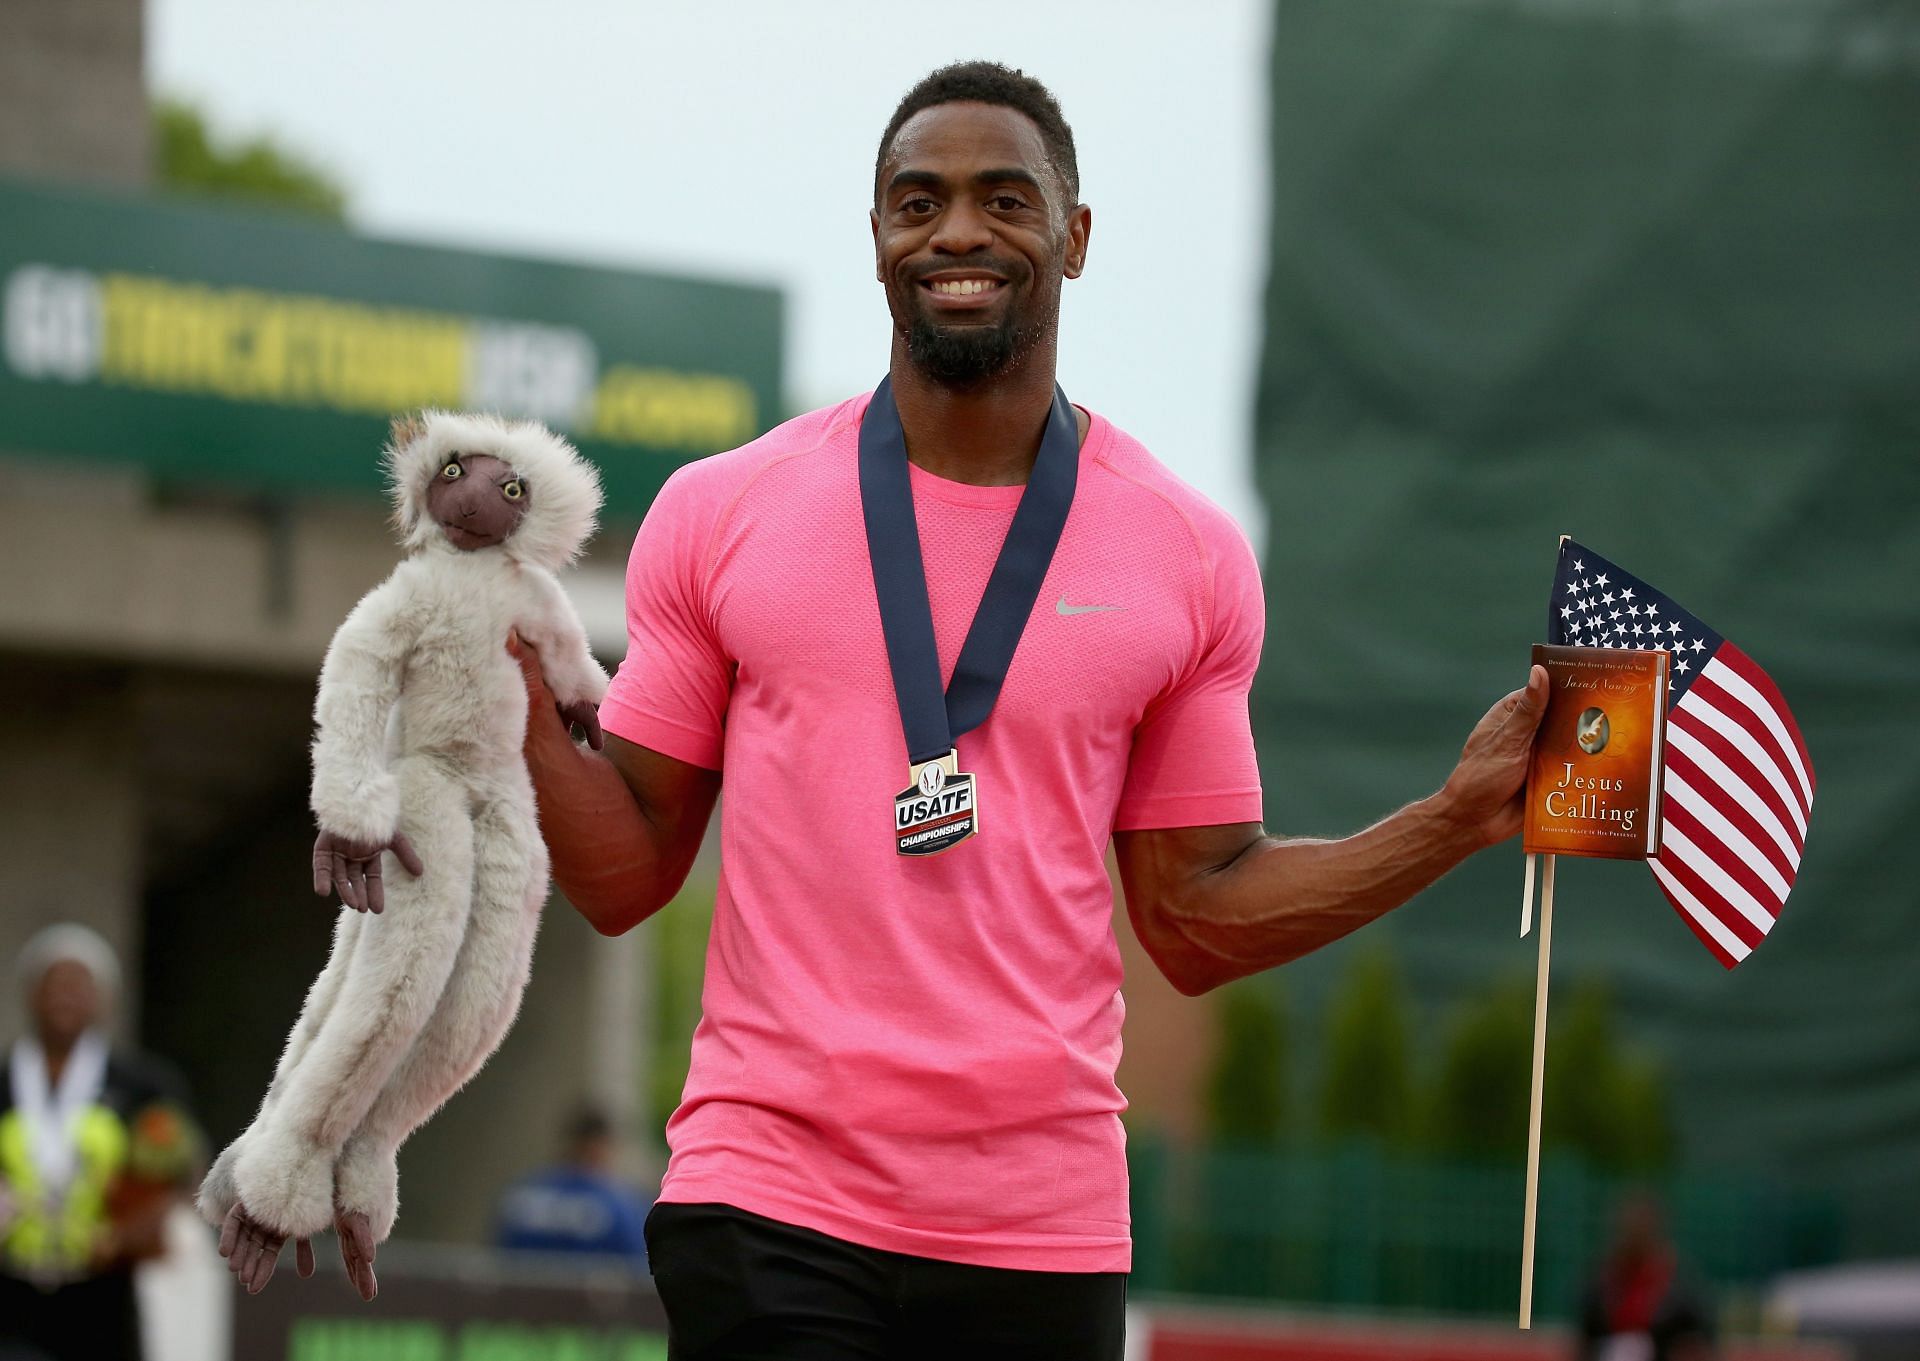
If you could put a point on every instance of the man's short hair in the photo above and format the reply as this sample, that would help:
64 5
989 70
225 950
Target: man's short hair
988 82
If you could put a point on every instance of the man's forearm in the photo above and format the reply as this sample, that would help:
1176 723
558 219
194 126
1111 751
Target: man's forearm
604 848
1277 899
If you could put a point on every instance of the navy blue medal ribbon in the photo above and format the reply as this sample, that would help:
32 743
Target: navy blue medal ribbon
931 719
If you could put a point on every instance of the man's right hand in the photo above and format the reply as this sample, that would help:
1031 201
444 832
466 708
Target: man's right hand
352 868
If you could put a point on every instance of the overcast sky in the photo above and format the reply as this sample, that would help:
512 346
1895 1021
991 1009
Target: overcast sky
736 138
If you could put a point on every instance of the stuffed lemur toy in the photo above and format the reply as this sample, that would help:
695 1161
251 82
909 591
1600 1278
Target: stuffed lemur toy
420 715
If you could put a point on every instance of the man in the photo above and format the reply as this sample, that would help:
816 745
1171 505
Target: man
580 1207
95 1148
1640 1305
900 1136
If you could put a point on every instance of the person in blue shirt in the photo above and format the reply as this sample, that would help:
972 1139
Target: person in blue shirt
580 1206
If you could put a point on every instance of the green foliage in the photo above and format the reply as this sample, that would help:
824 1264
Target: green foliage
188 160
1478 1108
680 958
1247 1094
1602 1101
1367 1085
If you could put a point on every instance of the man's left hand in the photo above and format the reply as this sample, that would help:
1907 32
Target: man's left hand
1484 792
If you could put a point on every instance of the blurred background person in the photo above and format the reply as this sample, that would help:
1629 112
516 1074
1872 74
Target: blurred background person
96 1147
580 1205
1640 1304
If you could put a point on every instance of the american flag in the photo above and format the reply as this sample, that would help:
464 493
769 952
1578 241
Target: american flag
1738 781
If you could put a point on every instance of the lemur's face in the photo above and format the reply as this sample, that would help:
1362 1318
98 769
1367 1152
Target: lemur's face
477 500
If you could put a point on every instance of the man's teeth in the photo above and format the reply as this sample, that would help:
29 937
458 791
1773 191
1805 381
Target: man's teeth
960 288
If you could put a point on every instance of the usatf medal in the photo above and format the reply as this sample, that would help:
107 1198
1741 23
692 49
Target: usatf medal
938 810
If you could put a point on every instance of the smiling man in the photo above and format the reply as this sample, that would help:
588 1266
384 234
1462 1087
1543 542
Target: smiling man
945 642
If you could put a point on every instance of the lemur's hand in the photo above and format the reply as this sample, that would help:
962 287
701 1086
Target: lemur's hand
352 868
582 713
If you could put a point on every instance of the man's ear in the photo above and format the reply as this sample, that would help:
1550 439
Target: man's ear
405 430
873 220
1079 230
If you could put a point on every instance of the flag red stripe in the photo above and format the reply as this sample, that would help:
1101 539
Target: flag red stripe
1736 761
1730 808
1727 961
1714 947
1730 861
1764 757
1750 671
1725 913
1729 896
1727 702
1725 787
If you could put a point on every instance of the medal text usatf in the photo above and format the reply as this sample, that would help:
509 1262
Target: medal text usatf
938 810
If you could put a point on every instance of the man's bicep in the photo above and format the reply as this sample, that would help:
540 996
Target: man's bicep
676 796
1165 874
1161 863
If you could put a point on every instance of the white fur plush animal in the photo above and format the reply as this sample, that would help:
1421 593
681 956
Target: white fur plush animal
420 716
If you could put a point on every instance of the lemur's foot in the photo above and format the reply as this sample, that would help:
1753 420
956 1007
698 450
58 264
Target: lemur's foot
357 1250
252 1249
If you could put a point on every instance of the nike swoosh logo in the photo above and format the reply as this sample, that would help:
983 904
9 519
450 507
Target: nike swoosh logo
1062 607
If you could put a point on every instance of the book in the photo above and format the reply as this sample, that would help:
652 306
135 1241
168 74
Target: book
1593 785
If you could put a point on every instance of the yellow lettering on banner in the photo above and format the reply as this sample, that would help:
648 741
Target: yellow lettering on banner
247 345
699 411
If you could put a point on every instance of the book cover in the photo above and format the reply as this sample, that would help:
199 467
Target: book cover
1593 787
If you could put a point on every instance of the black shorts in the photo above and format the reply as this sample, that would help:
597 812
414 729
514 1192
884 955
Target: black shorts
740 1287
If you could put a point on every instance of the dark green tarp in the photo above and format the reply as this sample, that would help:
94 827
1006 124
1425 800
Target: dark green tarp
1648 274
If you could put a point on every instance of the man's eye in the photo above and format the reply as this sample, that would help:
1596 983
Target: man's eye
918 205
1006 203
453 470
513 491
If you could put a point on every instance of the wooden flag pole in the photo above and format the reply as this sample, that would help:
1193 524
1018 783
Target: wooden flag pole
1539 1076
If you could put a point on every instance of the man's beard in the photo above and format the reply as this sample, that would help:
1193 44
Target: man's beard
962 356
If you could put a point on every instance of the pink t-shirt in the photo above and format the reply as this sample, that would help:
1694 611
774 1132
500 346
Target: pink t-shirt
918 1054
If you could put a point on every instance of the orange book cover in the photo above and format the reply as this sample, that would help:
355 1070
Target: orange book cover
1593 787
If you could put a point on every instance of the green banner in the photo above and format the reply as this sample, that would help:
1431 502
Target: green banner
457 1304
267 353
1646 274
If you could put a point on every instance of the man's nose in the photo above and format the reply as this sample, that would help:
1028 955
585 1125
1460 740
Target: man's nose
962 228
